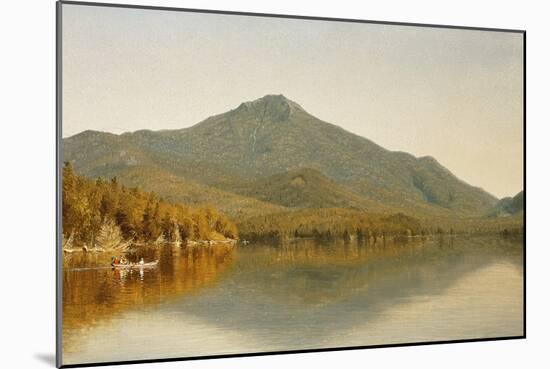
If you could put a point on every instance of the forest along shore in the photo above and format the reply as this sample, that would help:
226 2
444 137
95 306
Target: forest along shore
106 215
103 215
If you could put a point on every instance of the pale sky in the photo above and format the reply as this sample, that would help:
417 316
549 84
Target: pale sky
456 95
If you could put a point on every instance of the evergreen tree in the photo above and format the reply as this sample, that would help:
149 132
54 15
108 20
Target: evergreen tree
167 227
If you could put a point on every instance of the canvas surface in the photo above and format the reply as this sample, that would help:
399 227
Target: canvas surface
237 184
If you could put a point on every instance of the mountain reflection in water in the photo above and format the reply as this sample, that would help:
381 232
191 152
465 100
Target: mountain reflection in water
300 295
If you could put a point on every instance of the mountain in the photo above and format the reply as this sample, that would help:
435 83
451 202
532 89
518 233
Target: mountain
508 206
304 188
244 148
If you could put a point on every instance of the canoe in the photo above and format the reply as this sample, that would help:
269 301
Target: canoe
152 264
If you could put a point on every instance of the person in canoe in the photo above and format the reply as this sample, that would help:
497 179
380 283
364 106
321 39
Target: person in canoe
141 262
114 260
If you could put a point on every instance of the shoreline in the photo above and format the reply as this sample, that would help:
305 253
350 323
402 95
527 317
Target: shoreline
137 245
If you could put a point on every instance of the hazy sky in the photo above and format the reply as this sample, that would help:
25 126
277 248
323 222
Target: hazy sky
453 94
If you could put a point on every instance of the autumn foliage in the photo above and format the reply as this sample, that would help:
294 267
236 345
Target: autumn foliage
100 211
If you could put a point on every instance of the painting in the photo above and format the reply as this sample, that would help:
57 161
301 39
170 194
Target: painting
240 184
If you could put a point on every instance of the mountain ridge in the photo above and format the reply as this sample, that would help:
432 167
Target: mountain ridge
273 135
508 206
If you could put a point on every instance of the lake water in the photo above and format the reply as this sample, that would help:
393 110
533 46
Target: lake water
221 299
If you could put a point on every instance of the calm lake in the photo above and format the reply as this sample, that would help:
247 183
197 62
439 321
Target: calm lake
306 294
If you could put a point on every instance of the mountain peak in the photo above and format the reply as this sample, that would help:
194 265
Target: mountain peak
274 98
278 107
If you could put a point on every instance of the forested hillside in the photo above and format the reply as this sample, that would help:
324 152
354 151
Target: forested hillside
107 214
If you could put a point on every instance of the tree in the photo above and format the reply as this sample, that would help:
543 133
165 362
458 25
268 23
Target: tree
106 207
167 227
146 221
187 229
360 234
123 222
346 236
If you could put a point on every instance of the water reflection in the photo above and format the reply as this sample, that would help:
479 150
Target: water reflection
302 294
323 289
93 292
